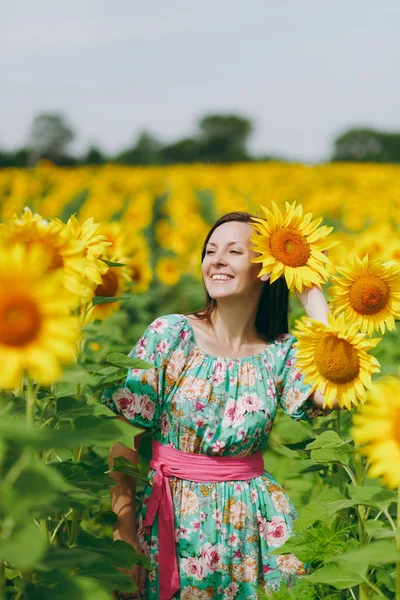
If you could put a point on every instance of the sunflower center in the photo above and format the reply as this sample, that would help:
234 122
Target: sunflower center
108 286
337 360
20 320
369 294
290 247
137 274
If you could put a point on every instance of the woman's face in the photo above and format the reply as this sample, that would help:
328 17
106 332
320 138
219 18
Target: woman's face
227 270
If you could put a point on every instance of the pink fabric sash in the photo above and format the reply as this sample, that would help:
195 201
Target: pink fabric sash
169 462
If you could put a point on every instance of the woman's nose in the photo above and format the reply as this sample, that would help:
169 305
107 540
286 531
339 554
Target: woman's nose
219 259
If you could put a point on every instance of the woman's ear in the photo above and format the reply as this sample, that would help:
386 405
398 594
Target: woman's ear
265 277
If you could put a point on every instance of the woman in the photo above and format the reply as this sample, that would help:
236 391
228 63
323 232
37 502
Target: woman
215 515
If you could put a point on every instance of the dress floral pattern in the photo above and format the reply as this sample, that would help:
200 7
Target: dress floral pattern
204 404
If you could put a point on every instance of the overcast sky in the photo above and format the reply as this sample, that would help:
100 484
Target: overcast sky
303 70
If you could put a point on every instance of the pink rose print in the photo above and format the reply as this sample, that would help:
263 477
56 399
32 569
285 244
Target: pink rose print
193 567
234 414
162 347
250 402
219 374
164 423
218 446
147 408
231 591
277 532
128 403
142 343
141 353
159 325
211 556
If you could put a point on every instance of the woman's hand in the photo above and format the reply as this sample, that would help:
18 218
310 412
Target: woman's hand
138 574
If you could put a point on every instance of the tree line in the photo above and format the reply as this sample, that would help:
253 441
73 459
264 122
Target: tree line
220 138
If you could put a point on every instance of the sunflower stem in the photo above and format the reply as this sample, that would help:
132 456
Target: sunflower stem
361 518
2 581
339 469
30 401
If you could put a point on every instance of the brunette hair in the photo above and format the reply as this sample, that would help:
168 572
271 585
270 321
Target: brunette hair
273 308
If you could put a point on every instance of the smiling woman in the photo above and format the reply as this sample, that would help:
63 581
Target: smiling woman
210 514
226 250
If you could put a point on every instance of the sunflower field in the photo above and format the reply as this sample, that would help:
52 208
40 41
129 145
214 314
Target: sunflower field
88 257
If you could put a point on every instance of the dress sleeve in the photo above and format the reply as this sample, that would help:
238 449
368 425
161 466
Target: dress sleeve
293 392
139 398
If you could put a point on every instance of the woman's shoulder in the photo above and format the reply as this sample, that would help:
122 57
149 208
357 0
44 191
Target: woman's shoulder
168 326
283 339
283 342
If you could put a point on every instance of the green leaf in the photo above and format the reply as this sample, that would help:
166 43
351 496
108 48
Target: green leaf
63 587
294 545
108 576
105 299
386 578
121 360
107 517
298 445
119 553
101 430
75 374
329 502
378 529
25 548
28 436
70 408
107 371
109 263
314 467
122 465
35 490
327 439
340 454
378 497
61 389
374 554
339 577
114 378
66 558
84 476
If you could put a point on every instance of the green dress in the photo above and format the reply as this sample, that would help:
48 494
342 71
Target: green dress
204 404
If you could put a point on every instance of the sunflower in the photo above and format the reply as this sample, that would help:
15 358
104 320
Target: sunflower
377 430
168 270
113 283
368 293
292 245
118 237
140 272
37 333
334 359
70 246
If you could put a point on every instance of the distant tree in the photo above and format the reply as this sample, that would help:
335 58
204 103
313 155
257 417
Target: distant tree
144 152
186 150
367 145
94 156
49 137
16 158
223 138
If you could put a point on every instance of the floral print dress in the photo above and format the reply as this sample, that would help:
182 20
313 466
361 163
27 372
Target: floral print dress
204 404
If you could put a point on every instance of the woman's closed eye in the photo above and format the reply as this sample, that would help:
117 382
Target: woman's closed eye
232 251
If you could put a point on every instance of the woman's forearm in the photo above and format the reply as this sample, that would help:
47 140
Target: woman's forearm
315 304
123 494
